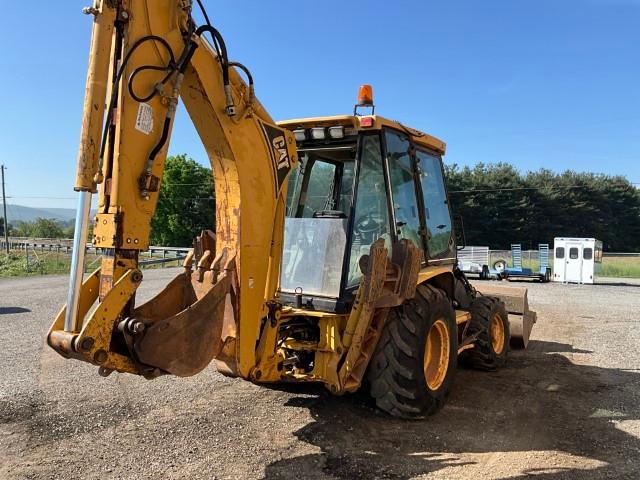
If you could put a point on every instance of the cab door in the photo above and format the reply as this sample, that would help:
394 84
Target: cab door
400 162
435 207
418 197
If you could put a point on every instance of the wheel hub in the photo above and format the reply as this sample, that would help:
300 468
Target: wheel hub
497 334
436 354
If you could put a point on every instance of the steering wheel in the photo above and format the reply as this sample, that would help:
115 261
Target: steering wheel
369 223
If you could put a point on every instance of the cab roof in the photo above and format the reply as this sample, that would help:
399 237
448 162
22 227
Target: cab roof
377 123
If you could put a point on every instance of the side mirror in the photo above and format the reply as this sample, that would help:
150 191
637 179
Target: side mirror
458 229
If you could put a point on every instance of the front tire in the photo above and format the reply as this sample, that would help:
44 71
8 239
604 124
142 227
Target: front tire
414 363
489 319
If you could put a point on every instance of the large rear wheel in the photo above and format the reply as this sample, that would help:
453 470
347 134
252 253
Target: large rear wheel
413 366
489 320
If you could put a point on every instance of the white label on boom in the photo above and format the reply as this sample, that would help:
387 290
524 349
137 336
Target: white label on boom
144 122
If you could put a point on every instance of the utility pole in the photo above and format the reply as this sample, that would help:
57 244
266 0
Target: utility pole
4 204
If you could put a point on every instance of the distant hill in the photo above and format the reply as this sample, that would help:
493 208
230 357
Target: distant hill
19 213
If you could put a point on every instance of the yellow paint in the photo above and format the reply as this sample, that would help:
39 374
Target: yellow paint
249 208
436 354
96 91
462 316
379 122
497 334
88 296
428 273
100 325
249 205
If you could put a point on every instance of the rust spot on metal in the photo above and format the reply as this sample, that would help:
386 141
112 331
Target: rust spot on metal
62 342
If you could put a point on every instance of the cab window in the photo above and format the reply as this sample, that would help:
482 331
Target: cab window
320 187
371 218
403 187
436 208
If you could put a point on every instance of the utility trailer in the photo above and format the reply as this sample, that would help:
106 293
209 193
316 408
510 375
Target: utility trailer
474 261
577 260
543 273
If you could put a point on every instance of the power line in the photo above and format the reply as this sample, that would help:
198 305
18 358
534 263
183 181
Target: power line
546 187
41 197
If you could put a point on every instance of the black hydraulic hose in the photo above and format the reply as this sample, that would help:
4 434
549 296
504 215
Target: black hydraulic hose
114 95
223 49
169 69
208 21
163 139
244 69
182 66
204 12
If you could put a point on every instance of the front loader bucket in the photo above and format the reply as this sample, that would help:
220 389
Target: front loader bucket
521 319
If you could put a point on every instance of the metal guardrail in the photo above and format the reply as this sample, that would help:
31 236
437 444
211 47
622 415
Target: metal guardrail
64 246
160 261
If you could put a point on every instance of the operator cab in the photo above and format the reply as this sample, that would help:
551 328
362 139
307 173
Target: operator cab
358 179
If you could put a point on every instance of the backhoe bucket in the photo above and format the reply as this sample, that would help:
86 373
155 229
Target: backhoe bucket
521 319
183 324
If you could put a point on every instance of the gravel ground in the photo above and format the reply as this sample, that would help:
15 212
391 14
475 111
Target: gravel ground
569 407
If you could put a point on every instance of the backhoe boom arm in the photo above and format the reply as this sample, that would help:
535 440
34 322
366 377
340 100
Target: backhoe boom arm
145 56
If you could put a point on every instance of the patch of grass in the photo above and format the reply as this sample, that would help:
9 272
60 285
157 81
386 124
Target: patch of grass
625 267
18 264
50 263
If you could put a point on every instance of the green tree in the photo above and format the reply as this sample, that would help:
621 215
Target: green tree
186 205
68 231
500 206
23 229
39 228
46 228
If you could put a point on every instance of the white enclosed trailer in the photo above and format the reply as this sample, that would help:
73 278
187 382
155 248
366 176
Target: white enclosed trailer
576 260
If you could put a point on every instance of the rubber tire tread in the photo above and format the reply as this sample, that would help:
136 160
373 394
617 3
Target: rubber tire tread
396 372
482 356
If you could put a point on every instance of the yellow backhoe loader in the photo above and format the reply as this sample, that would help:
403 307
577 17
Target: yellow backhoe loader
333 254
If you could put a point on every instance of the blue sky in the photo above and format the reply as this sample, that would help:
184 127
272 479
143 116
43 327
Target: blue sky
540 84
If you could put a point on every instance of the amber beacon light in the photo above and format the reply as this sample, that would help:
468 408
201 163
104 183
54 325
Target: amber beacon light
365 98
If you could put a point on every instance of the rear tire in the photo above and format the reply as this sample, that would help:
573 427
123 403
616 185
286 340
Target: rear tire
414 363
488 318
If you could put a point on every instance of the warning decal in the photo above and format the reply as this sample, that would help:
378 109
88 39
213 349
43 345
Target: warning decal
144 121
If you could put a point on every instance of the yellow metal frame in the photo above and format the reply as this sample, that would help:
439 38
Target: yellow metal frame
378 123
247 152
250 156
